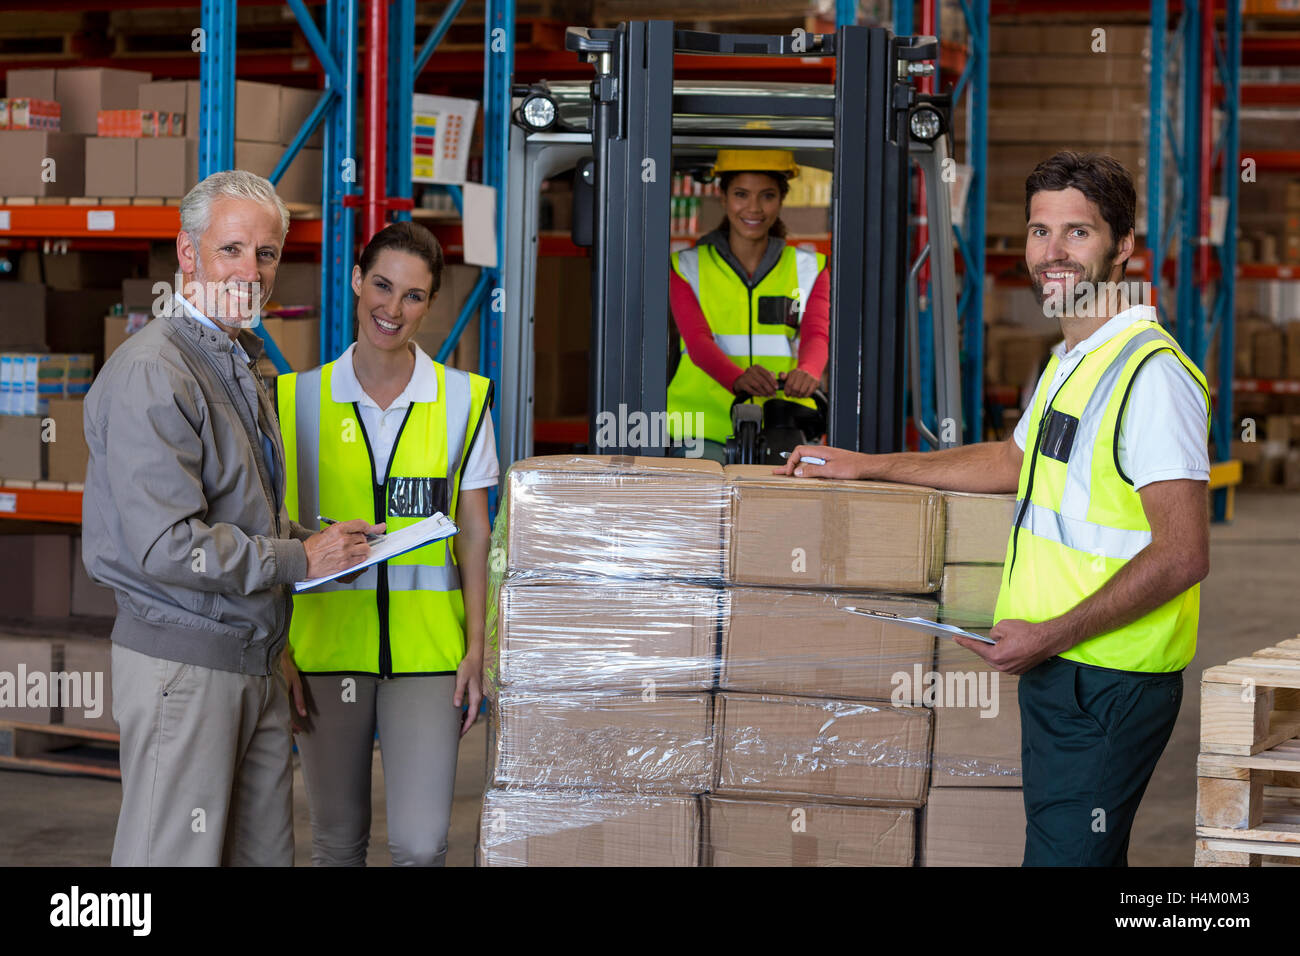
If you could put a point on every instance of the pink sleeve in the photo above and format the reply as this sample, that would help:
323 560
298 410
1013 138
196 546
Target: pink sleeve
815 329
697 336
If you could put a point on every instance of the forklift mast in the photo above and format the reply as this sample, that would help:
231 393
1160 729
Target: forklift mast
635 118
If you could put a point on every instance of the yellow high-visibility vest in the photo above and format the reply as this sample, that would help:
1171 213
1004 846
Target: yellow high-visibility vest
745 329
405 615
1078 517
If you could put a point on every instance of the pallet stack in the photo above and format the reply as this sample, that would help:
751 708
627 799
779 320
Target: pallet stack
1248 773
676 681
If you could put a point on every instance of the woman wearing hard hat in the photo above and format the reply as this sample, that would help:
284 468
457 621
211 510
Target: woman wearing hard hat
753 312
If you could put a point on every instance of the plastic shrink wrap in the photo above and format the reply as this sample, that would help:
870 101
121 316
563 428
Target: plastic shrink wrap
674 680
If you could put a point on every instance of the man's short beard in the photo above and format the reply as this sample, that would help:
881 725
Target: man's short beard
1104 271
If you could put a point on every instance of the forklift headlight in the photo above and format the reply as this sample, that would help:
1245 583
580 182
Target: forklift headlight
925 124
538 112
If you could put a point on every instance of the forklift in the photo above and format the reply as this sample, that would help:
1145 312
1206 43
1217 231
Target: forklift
623 135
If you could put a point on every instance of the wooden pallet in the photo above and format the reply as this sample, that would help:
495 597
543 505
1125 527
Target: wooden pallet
1252 704
52 748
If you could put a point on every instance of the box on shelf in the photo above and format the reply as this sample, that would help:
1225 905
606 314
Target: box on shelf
833 534
973 827
139 124
458 282
804 642
616 516
593 633
296 105
604 741
110 166
166 166
1268 352
22 315
24 112
174 96
550 828
67 451
38 84
1098 128
1071 39
118 327
301 182
298 340
40 163
562 308
257 114
83 92
36 569
298 284
1085 69
799 833
560 384
72 318
976 722
823 750
22 452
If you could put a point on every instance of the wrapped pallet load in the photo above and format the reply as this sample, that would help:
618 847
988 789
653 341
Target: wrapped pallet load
676 679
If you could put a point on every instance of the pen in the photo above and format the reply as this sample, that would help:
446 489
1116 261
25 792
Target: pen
806 459
370 538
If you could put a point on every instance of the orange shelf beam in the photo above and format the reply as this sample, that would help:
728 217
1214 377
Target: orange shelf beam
39 504
117 223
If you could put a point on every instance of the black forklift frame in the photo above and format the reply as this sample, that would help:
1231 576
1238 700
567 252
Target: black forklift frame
633 104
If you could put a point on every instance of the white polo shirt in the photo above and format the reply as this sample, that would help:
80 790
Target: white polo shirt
382 424
1163 434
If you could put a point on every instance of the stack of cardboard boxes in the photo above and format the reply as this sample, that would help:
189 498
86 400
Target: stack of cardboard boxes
1273 458
561 336
122 136
677 679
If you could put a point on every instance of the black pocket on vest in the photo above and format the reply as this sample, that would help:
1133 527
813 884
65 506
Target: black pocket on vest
1058 435
778 310
417 497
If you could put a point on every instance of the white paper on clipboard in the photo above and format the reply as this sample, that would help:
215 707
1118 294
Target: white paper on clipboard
920 624
434 528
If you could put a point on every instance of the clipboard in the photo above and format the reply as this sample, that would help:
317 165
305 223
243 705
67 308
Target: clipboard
920 624
436 527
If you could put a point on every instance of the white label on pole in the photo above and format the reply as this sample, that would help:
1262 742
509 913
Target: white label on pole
100 220
8 502
4 218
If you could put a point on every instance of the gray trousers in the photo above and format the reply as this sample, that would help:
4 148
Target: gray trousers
419 732
207 770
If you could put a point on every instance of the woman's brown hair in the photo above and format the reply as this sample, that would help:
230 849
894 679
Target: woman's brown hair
408 237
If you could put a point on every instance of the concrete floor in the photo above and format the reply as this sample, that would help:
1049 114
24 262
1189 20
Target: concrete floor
1248 602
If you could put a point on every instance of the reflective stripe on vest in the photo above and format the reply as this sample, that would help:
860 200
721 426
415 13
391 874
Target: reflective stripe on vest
336 627
731 308
1081 521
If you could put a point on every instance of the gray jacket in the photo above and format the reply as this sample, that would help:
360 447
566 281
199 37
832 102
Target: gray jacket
180 515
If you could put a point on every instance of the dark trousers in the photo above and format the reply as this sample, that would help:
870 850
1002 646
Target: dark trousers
1090 739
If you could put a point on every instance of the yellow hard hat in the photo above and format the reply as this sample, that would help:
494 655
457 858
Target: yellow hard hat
779 161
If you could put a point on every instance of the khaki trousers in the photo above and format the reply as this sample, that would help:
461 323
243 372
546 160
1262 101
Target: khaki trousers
207 772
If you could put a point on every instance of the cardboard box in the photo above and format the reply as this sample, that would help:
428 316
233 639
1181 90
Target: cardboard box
257 115
833 751
38 84
25 112
1293 350
168 96
295 106
92 660
301 182
72 318
24 701
458 282
166 167
978 526
22 315
26 172
1072 39
1085 69
973 827
617 516
68 454
1268 352
604 741
110 166
79 270
599 634
22 453
863 535
562 304
783 833
89 598
1098 128
117 328
298 340
969 594
976 721
36 569
298 284
547 828
83 92
803 642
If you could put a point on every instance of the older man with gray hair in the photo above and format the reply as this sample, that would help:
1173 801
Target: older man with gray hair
184 517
